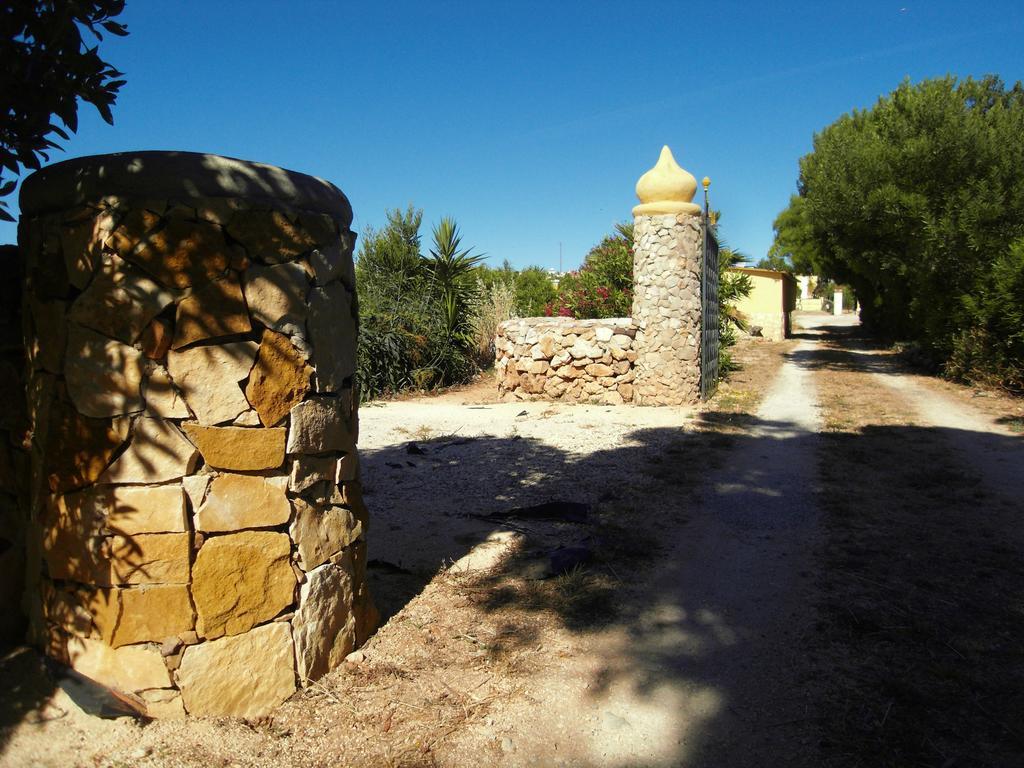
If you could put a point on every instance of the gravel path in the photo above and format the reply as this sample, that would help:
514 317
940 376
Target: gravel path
701 673
968 433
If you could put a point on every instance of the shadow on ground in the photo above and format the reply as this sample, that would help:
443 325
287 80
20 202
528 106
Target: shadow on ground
906 652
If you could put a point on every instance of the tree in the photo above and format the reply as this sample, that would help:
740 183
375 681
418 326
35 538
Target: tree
47 68
534 291
914 203
794 248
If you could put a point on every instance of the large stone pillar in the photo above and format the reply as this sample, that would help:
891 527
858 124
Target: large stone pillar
197 532
667 246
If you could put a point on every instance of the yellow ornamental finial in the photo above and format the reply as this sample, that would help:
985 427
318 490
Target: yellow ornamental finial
666 189
706 183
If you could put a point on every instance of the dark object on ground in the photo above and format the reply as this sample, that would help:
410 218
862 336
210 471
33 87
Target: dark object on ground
566 559
414 449
755 330
385 567
561 511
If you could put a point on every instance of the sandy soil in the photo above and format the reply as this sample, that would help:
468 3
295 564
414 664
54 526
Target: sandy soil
801 572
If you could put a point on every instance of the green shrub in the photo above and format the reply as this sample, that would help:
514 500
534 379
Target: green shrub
416 312
603 286
991 349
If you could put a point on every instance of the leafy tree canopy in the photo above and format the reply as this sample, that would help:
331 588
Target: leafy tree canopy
794 248
47 67
534 291
914 203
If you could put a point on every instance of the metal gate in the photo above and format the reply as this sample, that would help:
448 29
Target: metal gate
708 308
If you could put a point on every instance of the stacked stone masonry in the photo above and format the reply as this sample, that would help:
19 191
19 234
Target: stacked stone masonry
666 308
651 358
586 361
197 529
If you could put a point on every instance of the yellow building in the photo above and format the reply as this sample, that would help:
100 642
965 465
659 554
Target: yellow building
771 302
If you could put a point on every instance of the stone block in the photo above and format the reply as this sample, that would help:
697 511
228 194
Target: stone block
151 614
276 295
570 372
213 310
240 580
348 468
163 399
78 611
80 240
319 532
532 384
243 676
269 236
104 377
156 339
583 349
45 349
163 704
148 558
181 254
157 453
323 627
132 229
45 262
334 261
72 538
599 369
209 376
140 509
279 380
248 419
238 448
538 367
237 502
195 488
120 301
307 471
560 358
129 669
76 448
332 331
319 226
322 424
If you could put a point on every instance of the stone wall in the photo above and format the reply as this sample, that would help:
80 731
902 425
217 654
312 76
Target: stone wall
197 530
651 358
587 361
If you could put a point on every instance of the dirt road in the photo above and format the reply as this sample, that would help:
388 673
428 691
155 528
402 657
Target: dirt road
822 567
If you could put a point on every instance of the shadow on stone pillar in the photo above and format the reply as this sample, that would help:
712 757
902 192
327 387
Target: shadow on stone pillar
196 529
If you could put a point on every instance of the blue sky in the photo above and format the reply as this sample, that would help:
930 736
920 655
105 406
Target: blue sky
529 122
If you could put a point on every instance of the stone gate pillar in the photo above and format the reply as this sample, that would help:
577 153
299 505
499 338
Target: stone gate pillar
666 286
197 532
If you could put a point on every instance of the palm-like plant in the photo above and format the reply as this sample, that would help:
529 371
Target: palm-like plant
450 269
